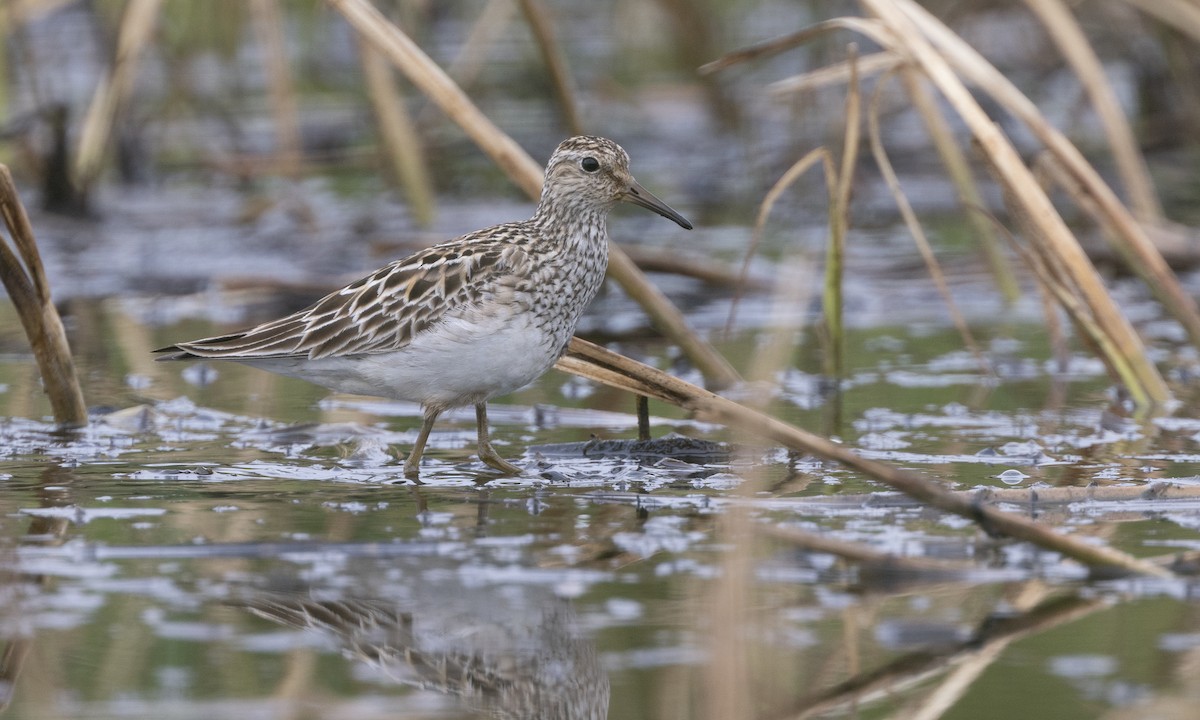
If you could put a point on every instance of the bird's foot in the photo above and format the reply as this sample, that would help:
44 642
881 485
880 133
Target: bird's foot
492 459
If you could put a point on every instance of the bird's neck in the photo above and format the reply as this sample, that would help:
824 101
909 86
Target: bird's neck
581 226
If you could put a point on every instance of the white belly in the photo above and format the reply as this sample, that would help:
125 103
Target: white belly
462 362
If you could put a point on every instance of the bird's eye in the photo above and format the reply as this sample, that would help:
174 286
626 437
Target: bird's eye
589 164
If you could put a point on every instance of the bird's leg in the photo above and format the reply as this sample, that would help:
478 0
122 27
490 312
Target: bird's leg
412 466
487 453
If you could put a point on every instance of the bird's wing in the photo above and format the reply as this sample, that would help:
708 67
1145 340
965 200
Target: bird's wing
382 312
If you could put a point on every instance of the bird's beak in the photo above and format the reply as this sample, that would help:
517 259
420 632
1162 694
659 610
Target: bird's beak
638 195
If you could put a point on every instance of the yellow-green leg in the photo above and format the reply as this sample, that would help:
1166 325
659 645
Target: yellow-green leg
412 466
487 453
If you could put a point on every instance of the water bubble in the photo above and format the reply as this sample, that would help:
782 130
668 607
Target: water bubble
1012 477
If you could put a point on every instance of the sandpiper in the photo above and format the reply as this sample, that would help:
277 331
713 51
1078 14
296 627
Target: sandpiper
464 321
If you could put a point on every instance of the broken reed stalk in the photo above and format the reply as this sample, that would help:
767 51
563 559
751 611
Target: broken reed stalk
390 40
398 135
281 90
137 24
1018 181
913 25
593 362
25 280
1131 166
914 226
556 62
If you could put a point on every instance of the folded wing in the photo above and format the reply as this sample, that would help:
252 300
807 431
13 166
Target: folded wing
382 312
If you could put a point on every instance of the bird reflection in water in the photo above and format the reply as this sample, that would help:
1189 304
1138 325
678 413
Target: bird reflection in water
510 658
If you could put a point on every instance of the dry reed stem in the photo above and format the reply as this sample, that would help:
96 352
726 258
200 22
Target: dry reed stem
1183 15
594 362
1143 257
835 74
959 170
268 26
1074 46
398 135
790 176
527 174
556 62
915 229
25 280
137 23
1018 181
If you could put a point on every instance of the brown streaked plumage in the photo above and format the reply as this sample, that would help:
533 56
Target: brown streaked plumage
464 321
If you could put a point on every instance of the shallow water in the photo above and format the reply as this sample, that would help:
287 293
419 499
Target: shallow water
221 540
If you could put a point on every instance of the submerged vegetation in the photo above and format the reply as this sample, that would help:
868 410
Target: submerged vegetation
912 114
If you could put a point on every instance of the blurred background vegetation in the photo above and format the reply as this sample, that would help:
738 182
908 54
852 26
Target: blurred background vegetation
203 103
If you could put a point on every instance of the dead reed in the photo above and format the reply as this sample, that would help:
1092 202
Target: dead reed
920 43
25 280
